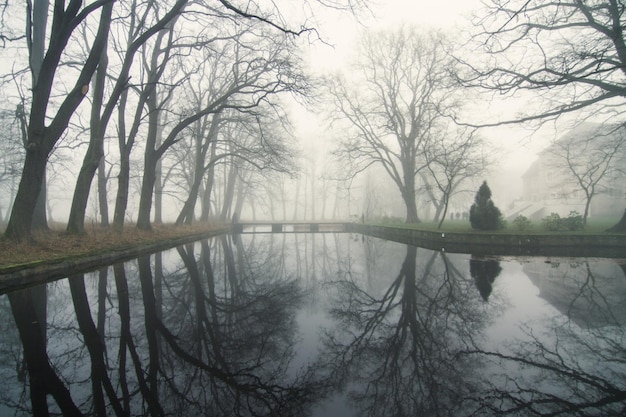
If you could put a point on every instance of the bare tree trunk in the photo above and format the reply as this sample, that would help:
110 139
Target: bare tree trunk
123 178
40 220
296 196
408 195
241 198
40 215
43 134
208 186
187 213
147 186
39 24
230 192
21 219
444 203
102 193
95 153
158 187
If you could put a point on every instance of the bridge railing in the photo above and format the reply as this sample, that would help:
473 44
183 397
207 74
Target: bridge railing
289 227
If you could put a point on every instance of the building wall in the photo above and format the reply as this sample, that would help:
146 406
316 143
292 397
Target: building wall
548 187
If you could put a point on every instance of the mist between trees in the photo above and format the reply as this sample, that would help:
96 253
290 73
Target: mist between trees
124 112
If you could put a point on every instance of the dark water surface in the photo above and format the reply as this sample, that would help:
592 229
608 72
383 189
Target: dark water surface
321 325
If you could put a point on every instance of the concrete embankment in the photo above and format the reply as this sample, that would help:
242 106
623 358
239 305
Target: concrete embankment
601 245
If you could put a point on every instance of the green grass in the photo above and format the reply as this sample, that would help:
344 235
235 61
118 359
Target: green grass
594 226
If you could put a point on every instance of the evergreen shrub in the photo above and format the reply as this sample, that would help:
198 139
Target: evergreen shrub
484 215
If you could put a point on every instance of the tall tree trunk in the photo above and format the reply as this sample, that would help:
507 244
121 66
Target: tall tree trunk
408 190
158 186
445 202
123 186
43 135
123 177
589 196
40 220
40 216
21 219
208 186
408 195
151 158
241 198
158 193
103 202
95 153
37 47
187 213
230 191
147 187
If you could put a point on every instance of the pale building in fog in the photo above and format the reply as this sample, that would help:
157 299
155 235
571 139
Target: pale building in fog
548 186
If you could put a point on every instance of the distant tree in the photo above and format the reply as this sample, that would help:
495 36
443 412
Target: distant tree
394 105
590 156
484 215
457 157
11 158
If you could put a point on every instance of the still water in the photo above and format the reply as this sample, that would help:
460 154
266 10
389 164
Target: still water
319 325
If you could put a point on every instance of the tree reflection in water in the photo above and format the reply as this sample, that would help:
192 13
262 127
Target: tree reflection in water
576 365
398 349
215 328
188 343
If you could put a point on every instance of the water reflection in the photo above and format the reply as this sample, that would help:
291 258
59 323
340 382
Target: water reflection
397 348
484 272
278 325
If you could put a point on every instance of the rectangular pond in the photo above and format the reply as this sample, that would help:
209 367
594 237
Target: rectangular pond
319 325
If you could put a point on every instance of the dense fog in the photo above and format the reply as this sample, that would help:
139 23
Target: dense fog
134 114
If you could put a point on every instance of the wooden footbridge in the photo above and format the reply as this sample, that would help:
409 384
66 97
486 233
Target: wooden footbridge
290 227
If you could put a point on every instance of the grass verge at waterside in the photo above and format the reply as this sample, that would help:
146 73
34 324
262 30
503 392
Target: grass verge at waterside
458 236
56 245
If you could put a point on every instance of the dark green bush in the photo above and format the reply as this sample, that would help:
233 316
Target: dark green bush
554 222
522 223
574 221
484 215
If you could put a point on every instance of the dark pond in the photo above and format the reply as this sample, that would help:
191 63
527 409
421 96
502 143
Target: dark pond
321 325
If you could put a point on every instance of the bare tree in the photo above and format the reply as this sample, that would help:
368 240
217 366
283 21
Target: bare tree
99 122
261 67
589 156
44 130
11 157
459 156
573 54
394 106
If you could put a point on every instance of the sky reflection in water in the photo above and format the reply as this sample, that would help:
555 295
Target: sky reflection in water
305 324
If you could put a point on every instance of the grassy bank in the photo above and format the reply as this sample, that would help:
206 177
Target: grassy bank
596 226
460 238
57 245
